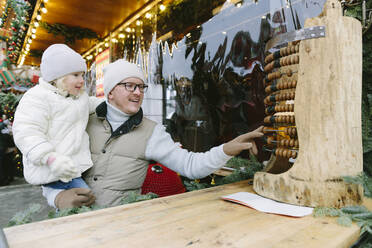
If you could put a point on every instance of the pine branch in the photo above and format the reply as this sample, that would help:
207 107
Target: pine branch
359 214
363 180
25 216
136 197
72 211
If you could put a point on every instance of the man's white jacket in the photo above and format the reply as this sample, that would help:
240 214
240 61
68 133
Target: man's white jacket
47 122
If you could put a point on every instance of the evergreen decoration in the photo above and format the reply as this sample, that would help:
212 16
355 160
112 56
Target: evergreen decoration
135 197
25 216
28 215
360 214
355 10
72 211
71 33
194 185
244 169
363 180
35 53
8 101
24 82
5 13
18 25
17 162
180 15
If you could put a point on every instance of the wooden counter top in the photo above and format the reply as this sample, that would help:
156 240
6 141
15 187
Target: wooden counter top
194 219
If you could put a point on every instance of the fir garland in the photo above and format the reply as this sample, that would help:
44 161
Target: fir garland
36 53
71 211
136 197
21 9
4 16
363 180
182 14
8 101
179 16
360 214
71 33
244 169
26 216
29 215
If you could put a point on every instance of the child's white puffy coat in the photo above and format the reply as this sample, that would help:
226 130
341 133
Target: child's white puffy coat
45 122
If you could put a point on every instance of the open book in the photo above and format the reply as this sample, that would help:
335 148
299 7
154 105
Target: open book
267 205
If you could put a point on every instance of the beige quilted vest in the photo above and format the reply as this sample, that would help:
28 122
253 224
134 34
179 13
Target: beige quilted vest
119 164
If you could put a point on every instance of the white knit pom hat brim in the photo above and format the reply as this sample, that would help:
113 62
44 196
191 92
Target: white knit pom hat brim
59 60
117 71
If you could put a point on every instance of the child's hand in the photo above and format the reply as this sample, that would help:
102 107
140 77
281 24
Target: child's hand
63 168
75 197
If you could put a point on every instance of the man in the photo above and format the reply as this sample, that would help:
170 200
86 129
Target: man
122 143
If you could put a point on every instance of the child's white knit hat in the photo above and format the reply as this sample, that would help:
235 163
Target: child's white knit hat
59 60
117 71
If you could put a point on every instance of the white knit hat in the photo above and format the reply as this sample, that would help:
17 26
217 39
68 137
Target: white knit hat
117 71
59 60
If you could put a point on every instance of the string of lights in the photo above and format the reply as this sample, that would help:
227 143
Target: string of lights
40 9
130 29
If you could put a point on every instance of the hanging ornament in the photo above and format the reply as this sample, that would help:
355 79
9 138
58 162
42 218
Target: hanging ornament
212 181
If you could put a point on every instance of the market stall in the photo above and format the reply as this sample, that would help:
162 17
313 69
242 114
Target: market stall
211 78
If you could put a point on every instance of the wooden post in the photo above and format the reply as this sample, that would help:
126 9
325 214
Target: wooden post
328 118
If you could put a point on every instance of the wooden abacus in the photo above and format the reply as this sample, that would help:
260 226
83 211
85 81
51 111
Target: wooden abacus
313 122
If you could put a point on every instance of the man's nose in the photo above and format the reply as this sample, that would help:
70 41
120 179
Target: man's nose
137 90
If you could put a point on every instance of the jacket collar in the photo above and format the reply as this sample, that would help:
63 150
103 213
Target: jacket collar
47 85
50 86
133 121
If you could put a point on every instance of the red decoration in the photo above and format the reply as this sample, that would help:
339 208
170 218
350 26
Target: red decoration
162 181
35 79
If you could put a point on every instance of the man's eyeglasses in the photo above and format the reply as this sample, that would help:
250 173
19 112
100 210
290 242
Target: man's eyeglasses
132 87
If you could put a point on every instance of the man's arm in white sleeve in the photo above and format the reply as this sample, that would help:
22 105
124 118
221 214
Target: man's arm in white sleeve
93 103
164 150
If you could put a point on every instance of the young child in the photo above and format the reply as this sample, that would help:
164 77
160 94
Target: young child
50 121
